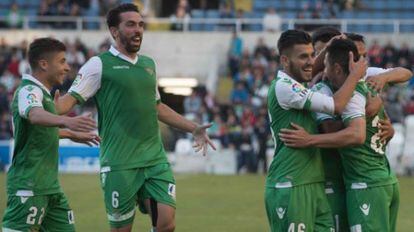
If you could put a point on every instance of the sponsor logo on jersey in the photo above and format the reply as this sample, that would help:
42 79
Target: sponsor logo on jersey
280 212
171 190
120 67
365 209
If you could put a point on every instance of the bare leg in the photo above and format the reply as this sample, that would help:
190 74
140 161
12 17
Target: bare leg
166 217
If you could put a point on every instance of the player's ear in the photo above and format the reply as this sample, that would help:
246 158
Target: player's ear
338 69
114 32
284 60
42 64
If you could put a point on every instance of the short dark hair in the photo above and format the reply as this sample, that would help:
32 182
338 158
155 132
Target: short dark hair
290 38
324 34
355 37
42 47
113 19
339 53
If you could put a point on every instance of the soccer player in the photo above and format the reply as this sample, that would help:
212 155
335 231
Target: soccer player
35 201
372 195
295 195
134 166
335 188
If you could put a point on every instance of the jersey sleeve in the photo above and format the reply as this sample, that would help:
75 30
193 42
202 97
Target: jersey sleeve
323 89
157 93
88 80
28 97
372 71
355 108
291 94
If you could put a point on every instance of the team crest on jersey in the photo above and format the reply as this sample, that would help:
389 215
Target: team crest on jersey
287 80
77 79
29 88
31 98
150 71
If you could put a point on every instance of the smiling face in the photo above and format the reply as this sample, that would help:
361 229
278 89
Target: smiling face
56 67
298 62
129 32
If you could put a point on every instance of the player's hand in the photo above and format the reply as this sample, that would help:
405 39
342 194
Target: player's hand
341 36
357 69
297 137
201 139
376 83
82 123
386 130
88 138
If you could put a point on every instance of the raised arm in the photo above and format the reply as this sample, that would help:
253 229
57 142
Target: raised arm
356 72
377 78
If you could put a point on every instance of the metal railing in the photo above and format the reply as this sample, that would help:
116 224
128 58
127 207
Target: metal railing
214 24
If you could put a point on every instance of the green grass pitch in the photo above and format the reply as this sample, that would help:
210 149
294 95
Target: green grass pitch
205 203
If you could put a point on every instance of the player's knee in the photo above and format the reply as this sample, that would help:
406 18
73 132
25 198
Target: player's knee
166 227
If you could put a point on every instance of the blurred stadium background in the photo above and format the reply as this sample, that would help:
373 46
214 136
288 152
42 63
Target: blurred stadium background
215 61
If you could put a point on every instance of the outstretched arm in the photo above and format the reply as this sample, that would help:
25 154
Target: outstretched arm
353 134
39 116
88 138
172 118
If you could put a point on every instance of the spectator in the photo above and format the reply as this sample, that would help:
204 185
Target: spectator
246 157
192 103
261 48
14 17
239 94
178 19
74 57
235 53
261 130
272 21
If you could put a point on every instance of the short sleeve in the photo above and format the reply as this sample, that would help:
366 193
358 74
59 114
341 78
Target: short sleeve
355 108
88 80
322 88
29 96
291 94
